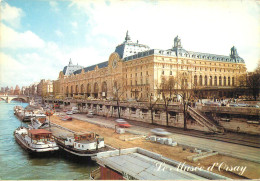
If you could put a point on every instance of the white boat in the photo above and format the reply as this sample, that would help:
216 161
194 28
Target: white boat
35 140
82 144
39 121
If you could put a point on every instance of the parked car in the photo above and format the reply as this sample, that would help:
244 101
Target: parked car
160 132
122 123
75 111
90 114
66 118
69 112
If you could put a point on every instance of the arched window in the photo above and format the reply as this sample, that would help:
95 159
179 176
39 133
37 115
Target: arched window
195 80
210 80
71 91
225 81
228 81
96 90
77 89
215 81
82 89
104 89
220 81
88 88
233 81
200 81
96 87
206 80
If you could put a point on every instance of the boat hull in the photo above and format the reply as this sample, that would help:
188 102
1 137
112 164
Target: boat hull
79 153
27 147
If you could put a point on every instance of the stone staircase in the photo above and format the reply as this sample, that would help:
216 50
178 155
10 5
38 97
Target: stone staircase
202 119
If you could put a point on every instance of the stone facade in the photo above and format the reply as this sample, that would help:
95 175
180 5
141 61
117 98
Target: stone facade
133 72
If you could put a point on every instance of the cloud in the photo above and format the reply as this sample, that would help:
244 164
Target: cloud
13 40
74 24
11 71
11 15
54 6
210 26
59 33
85 56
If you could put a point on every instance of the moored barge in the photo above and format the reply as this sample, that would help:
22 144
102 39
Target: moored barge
82 144
35 140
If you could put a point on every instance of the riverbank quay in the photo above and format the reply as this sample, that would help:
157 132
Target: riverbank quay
178 153
224 148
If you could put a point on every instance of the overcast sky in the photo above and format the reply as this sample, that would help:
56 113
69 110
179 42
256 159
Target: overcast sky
39 37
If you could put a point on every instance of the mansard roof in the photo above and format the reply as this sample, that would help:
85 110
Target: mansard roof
92 67
70 68
180 52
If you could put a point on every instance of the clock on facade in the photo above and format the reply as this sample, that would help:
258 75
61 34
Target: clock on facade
114 63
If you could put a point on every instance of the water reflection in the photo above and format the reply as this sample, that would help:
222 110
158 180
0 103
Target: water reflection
17 164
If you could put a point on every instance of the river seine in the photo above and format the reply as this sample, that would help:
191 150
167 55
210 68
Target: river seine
17 164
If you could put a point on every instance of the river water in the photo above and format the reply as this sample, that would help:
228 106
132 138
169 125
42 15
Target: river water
17 164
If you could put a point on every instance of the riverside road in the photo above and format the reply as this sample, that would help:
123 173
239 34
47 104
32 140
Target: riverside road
225 148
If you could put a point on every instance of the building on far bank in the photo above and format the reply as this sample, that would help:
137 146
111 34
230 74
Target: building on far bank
136 71
17 90
47 88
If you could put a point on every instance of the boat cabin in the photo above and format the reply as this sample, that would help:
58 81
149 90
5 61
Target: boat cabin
85 141
40 135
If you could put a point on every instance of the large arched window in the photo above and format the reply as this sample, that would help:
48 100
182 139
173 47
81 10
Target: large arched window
215 81
200 81
210 80
82 90
195 80
96 90
104 89
77 89
233 81
225 81
228 81
206 80
220 81
67 91
71 91
88 89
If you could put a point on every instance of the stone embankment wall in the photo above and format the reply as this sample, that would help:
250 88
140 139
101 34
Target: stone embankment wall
140 112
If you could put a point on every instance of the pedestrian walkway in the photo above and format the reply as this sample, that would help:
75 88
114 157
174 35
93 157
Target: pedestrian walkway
228 149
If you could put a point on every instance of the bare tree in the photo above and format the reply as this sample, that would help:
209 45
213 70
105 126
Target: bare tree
151 105
186 92
250 83
167 90
118 91
253 82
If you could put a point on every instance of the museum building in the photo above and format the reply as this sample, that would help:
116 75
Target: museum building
134 72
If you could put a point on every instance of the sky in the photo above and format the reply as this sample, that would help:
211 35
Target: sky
38 37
